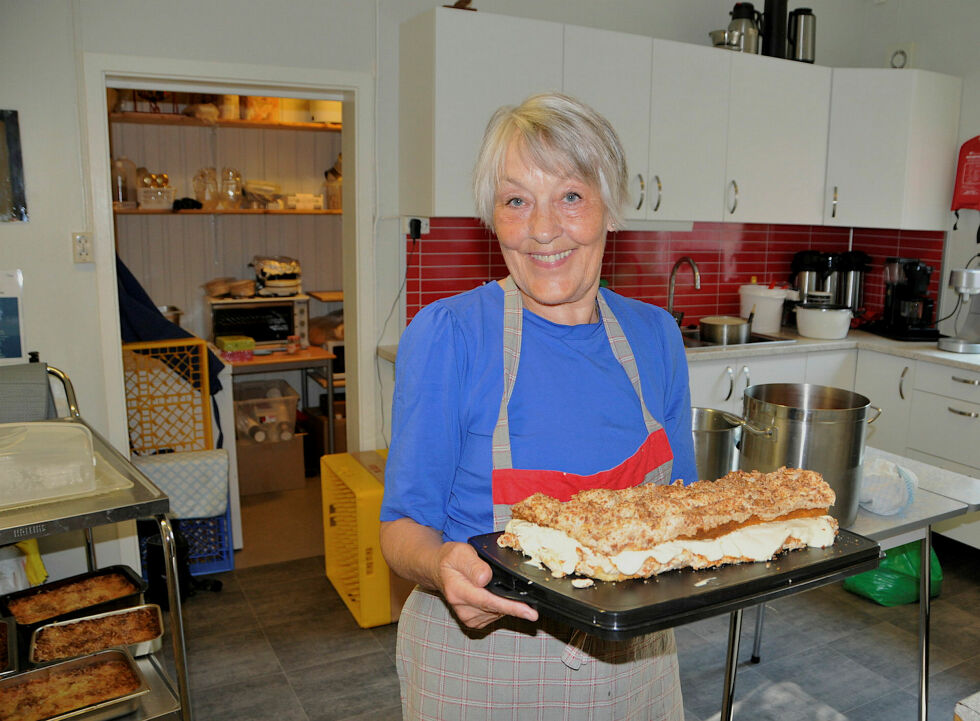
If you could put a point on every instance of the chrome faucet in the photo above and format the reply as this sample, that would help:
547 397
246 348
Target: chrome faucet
679 316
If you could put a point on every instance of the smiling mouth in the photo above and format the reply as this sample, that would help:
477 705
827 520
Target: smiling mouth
551 257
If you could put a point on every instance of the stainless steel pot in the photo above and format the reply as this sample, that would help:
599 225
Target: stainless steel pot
724 329
819 428
716 439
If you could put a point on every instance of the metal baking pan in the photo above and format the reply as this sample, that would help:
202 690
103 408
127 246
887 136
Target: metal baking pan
8 647
624 609
24 630
140 648
113 708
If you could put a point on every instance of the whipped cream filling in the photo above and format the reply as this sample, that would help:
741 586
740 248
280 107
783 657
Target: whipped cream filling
759 542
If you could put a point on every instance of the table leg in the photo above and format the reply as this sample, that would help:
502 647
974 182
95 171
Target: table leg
925 589
330 412
176 617
731 661
760 617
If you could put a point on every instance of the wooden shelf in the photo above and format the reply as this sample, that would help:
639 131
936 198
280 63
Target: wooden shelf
327 296
188 121
235 211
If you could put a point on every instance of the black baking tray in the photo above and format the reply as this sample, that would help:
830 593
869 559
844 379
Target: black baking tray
621 610
25 630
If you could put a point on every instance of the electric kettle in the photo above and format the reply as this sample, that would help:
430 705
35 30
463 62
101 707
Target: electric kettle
746 21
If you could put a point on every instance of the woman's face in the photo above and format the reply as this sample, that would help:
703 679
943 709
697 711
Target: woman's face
552 232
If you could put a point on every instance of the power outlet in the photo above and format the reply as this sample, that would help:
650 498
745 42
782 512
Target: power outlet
81 248
408 218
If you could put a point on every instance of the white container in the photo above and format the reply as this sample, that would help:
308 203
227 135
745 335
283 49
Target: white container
42 461
768 304
826 323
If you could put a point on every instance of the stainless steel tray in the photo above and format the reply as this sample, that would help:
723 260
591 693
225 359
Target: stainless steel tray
136 649
10 646
110 709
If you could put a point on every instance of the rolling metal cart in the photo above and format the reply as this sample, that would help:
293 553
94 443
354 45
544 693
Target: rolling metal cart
140 499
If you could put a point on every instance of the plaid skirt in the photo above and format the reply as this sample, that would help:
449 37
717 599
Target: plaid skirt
515 670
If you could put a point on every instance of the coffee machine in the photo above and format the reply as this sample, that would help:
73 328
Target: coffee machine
908 312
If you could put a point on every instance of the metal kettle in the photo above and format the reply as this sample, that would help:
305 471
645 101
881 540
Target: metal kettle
746 21
801 35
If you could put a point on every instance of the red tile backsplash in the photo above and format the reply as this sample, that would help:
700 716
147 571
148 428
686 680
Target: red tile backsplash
459 254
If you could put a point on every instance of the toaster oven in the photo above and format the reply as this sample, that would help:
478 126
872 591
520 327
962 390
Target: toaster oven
269 321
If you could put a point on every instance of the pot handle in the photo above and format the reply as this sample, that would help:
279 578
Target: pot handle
877 415
768 431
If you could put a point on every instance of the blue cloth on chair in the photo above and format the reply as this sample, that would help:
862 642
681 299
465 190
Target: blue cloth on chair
195 481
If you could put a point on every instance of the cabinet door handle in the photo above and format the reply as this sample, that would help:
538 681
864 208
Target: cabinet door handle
901 383
968 381
643 191
968 414
748 380
734 187
833 210
731 382
660 193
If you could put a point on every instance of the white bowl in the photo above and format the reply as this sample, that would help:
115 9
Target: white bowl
826 323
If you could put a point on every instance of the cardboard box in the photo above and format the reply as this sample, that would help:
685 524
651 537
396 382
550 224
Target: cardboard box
315 424
272 466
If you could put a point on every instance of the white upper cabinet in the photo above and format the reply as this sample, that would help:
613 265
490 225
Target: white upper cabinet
688 131
610 71
455 69
892 148
778 117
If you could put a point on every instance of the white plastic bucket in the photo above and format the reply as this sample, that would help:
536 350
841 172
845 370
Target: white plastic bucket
768 304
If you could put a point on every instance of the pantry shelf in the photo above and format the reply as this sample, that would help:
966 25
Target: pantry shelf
188 121
232 211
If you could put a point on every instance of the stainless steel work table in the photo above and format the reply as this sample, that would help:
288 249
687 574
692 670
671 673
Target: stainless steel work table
913 524
142 499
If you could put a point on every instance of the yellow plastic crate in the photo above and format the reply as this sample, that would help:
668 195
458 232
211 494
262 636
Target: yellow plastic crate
353 485
168 399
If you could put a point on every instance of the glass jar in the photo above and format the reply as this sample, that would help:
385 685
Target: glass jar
230 193
206 188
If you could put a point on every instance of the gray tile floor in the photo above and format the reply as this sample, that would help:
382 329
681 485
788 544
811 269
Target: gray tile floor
278 643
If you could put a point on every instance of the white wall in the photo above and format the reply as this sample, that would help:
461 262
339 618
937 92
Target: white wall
41 47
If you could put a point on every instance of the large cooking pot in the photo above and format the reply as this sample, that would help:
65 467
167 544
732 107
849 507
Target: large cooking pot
819 428
724 329
716 438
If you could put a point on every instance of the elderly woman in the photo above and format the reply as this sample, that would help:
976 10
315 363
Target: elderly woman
528 384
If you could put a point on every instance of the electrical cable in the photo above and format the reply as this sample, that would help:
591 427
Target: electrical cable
415 227
956 309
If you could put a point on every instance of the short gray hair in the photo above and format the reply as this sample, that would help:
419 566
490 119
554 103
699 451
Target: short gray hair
562 136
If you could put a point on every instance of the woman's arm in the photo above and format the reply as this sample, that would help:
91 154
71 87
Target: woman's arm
418 553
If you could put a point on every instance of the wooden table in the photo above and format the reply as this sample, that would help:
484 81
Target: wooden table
315 362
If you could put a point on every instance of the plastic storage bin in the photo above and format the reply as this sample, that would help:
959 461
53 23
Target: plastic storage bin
352 485
156 198
271 404
42 461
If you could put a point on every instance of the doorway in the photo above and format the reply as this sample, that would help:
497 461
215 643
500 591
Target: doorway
356 241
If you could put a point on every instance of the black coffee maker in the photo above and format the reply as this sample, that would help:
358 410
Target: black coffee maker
908 313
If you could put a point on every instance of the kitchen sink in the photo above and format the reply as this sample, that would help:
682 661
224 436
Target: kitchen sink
692 340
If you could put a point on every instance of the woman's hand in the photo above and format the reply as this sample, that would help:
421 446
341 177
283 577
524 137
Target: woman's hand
417 553
462 579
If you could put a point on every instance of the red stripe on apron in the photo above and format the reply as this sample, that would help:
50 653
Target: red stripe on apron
511 485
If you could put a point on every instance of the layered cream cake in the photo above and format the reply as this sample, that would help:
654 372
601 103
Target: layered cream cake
614 535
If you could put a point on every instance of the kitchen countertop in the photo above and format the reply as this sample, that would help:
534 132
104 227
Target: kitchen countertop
856 339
